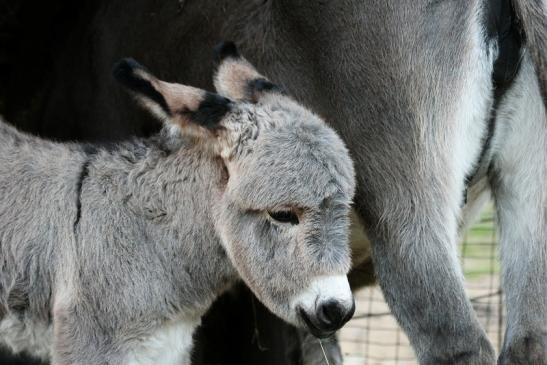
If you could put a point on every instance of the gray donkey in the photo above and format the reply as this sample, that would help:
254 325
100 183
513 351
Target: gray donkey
112 255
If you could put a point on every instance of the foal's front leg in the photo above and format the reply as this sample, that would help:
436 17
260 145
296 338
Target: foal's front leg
519 183
79 339
90 338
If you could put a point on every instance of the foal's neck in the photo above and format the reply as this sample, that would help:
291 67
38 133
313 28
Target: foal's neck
172 191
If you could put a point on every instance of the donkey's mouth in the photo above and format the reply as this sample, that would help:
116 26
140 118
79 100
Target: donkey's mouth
312 327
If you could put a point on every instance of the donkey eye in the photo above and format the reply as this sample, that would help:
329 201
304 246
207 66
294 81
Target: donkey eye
284 216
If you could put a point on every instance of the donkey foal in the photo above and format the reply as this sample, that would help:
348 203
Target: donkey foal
112 255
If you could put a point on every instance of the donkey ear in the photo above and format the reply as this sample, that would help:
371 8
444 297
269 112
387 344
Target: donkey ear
181 105
236 78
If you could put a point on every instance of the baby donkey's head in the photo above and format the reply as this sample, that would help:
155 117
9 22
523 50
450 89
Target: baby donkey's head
283 213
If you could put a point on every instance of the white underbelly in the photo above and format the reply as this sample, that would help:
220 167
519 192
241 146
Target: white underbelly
171 344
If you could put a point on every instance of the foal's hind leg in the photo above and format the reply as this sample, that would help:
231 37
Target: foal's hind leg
519 182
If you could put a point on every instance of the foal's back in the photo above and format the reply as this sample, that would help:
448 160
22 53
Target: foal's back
38 205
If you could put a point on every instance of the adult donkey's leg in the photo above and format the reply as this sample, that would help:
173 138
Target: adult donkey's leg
519 182
418 270
411 174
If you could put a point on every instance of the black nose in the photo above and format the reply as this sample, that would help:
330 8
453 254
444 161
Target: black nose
332 315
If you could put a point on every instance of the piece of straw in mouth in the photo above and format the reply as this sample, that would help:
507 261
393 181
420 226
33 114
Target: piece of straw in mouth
324 353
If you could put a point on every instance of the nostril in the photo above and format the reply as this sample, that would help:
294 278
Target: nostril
332 314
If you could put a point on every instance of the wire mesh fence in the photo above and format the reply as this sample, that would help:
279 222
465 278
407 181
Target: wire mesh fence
373 337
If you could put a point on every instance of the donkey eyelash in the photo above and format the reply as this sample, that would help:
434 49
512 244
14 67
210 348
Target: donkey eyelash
284 216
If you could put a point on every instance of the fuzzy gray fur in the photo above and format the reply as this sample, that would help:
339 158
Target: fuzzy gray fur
100 247
391 77
532 15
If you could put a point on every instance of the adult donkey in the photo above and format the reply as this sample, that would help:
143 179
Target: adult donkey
434 98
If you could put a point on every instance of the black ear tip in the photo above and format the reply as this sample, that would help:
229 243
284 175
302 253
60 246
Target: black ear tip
124 69
225 50
211 110
262 85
